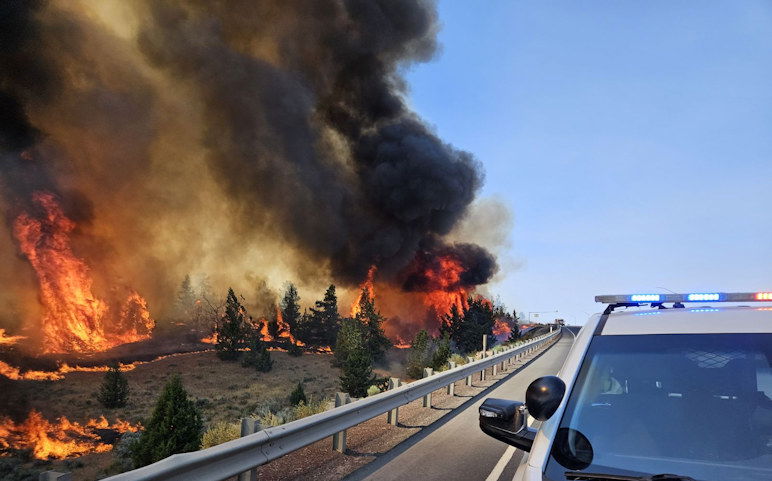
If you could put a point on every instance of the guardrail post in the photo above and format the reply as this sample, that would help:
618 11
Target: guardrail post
54 476
428 398
494 368
482 373
392 417
339 438
469 377
452 386
249 426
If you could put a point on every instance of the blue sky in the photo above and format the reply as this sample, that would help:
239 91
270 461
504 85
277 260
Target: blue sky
631 141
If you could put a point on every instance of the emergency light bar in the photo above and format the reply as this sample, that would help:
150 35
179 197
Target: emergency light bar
693 297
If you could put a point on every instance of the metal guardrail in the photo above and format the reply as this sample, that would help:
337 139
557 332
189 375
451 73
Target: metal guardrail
240 455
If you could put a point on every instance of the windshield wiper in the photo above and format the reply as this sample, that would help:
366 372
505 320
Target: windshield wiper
577 476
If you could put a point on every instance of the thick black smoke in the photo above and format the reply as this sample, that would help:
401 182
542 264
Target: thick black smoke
303 123
333 71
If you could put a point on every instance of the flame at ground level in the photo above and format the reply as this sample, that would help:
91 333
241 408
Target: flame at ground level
58 439
9 339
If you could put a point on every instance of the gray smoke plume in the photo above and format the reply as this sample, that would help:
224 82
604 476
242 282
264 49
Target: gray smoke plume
290 112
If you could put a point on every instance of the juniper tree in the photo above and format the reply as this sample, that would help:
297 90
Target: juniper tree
114 391
477 321
257 355
357 370
320 327
452 322
290 307
514 335
174 427
231 329
298 396
349 335
371 320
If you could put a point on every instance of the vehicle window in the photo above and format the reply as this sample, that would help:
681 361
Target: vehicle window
692 405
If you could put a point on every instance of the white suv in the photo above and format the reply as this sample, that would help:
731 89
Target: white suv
666 392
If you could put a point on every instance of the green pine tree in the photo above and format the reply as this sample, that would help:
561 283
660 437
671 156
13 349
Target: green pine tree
357 370
298 396
257 355
477 321
290 307
320 327
350 335
175 426
452 322
371 320
114 391
514 335
231 329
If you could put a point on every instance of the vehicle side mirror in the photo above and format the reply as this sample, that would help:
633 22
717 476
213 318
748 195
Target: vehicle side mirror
506 421
543 397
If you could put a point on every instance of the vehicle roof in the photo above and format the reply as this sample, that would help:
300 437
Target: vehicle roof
691 320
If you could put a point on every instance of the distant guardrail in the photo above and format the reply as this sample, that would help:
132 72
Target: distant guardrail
243 454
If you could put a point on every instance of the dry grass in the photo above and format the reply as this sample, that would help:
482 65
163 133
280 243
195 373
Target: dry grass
223 391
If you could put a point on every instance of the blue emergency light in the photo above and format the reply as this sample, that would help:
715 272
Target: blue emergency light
692 297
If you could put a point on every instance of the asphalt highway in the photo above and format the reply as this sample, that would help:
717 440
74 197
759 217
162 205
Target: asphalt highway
455 448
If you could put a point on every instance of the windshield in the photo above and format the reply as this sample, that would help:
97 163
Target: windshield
692 405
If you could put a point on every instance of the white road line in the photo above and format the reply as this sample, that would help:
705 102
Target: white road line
499 468
572 333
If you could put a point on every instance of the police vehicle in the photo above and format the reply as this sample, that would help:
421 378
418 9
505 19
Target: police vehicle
652 389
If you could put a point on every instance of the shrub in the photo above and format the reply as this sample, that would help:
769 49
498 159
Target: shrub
297 396
123 450
418 357
373 390
114 391
310 408
458 359
220 433
441 355
175 426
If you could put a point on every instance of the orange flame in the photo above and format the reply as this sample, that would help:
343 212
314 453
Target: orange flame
75 320
16 374
59 439
501 329
366 286
9 339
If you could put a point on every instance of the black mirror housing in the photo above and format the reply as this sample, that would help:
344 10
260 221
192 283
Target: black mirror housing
543 397
506 421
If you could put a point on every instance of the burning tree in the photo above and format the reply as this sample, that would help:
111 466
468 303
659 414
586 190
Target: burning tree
231 330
